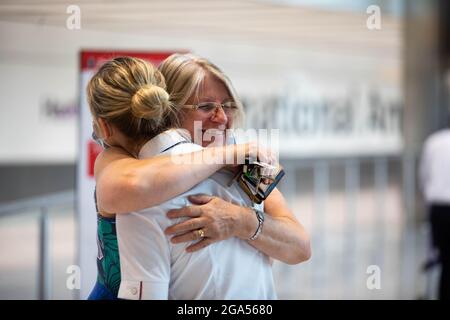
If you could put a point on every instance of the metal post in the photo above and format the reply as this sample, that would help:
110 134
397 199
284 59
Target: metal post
44 256
408 242
381 185
352 183
321 189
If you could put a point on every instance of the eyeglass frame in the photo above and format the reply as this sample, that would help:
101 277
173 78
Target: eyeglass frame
216 106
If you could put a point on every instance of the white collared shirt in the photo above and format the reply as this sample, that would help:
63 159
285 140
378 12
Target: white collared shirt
435 168
154 268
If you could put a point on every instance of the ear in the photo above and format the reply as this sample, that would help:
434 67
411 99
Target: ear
106 129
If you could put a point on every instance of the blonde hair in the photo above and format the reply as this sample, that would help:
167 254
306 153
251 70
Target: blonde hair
184 75
130 94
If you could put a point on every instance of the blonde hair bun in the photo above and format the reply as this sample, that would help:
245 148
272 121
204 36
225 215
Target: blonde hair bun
150 102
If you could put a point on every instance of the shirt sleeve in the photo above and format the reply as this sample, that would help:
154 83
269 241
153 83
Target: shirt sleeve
144 256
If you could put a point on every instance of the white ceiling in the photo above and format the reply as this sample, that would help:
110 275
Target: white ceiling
249 22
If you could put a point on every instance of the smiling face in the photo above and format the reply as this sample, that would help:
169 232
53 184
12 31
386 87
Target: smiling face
211 90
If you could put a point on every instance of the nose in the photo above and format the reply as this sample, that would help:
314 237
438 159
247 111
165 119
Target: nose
219 116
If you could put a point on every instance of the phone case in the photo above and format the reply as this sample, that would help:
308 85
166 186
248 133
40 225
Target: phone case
250 180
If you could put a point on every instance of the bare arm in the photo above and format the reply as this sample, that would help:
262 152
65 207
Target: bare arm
127 184
282 238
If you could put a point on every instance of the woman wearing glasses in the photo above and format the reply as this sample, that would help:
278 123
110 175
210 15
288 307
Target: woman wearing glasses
204 96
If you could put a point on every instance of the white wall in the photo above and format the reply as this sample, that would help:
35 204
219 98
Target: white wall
41 62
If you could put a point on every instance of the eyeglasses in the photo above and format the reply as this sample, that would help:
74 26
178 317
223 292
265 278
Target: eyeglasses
210 108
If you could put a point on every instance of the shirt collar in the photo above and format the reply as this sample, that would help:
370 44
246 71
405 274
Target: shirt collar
163 141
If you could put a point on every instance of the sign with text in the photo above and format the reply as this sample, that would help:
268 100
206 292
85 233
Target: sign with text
318 120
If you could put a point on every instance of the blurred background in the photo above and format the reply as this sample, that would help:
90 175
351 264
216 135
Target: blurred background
354 88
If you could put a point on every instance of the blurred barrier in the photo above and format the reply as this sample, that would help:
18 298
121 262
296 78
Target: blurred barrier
361 213
43 204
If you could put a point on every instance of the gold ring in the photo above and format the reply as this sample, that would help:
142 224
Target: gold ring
201 233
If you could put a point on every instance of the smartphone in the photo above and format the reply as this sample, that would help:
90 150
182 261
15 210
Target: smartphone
250 181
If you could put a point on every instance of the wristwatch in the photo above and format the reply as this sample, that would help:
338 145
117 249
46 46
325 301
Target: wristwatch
260 216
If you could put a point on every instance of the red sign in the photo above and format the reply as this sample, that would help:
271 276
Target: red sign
93 59
93 151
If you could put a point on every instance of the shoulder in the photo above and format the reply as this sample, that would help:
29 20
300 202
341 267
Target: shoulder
109 156
184 147
438 137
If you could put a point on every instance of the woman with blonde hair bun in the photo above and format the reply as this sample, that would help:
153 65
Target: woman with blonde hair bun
129 105
129 94
135 117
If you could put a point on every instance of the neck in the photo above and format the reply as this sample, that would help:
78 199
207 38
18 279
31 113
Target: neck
133 148
129 145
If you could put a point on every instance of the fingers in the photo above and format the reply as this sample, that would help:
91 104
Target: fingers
189 236
189 211
269 171
256 151
200 199
192 236
267 156
185 226
199 245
